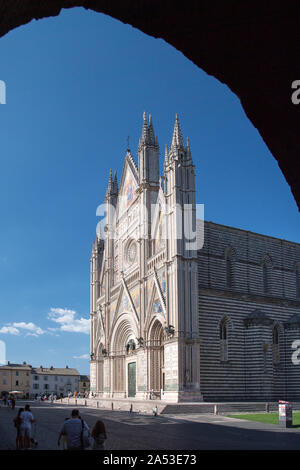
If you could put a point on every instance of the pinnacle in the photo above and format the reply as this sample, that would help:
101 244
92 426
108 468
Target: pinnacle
151 131
110 184
188 149
145 133
177 140
115 183
110 179
148 136
166 155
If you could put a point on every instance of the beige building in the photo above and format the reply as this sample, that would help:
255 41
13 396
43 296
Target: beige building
54 380
15 377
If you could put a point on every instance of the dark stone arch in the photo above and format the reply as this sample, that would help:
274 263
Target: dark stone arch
251 46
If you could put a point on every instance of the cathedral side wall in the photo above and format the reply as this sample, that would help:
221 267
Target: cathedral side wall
249 371
244 376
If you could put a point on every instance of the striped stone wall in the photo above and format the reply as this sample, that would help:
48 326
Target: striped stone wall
252 302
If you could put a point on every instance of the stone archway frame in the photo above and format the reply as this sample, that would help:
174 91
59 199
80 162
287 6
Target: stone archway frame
124 326
99 365
98 349
235 42
230 330
149 327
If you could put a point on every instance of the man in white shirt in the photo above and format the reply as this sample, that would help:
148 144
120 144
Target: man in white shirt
73 428
27 419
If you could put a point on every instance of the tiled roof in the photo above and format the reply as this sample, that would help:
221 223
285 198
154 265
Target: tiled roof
55 371
16 366
84 378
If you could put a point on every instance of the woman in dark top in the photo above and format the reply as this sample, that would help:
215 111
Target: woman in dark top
17 424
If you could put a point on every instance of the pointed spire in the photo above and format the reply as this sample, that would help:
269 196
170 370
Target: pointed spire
110 179
115 183
99 233
177 140
151 132
188 150
166 155
148 137
145 133
110 184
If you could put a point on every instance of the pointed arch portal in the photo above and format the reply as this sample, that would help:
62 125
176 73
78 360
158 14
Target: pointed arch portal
123 342
236 42
100 368
156 357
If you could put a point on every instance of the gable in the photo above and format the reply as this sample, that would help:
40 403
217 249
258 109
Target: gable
155 306
124 303
128 185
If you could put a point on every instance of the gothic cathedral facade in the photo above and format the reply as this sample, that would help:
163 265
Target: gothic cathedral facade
179 320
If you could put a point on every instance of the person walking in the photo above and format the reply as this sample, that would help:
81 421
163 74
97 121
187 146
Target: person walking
27 419
17 424
99 436
75 429
13 403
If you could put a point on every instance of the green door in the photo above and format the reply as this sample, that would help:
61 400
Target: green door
131 379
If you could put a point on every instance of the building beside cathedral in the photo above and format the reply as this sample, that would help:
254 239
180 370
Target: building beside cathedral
184 320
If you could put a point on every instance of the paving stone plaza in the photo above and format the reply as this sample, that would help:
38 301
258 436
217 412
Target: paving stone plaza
133 431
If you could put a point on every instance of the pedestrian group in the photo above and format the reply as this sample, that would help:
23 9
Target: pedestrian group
74 435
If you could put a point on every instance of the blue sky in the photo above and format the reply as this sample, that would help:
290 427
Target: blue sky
77 86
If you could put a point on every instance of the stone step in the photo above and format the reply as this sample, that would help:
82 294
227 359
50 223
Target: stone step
223 408
146 406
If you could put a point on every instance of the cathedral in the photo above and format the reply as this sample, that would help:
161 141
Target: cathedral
184 309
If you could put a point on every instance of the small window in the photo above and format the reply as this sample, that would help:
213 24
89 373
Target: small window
223 330
17 372
17 382
46 377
